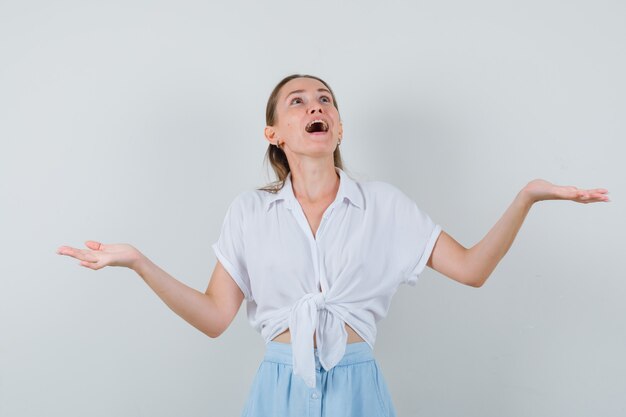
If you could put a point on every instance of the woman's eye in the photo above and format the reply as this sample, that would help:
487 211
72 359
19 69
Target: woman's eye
325 98
293 100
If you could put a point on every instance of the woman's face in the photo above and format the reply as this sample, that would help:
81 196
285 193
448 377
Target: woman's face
307 122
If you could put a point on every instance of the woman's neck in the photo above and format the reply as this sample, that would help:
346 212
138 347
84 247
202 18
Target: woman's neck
315 184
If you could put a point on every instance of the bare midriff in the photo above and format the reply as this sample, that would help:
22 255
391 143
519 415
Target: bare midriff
285 337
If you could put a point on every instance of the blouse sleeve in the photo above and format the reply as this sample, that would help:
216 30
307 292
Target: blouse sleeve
230 249
418 234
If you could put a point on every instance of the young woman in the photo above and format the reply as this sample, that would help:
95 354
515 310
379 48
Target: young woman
318 256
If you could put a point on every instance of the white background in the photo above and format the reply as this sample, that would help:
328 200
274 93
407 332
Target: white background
139 121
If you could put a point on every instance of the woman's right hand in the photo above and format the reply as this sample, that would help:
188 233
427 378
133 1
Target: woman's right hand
99 255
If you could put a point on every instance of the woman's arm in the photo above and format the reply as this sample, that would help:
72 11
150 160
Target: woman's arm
210 312
474 265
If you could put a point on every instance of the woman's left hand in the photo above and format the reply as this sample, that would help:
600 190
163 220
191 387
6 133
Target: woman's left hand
538 190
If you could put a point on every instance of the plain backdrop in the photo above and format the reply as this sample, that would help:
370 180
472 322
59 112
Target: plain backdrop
139 122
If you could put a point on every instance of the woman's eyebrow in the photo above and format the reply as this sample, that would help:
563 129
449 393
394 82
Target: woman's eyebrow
302 91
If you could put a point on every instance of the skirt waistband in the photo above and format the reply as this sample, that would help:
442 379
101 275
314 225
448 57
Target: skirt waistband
282 353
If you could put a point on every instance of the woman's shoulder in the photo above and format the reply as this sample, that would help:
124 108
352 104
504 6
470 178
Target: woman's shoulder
249 199
392 202
253 201
382 190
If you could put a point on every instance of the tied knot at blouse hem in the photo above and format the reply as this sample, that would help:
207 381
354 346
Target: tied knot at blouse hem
307 317
372 238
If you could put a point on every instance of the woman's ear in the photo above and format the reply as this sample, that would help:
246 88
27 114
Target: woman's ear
270 133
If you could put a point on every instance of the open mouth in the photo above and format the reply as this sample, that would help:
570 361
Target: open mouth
317 126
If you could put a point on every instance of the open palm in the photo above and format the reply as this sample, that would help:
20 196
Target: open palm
99 255
539 190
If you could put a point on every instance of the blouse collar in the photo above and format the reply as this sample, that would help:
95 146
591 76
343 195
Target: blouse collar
348 188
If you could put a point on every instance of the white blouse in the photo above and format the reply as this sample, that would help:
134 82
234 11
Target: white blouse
371 239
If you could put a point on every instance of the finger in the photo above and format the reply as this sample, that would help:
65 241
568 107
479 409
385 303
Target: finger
595 191
66 250
602 194
80 254
601 198
592 199
95 245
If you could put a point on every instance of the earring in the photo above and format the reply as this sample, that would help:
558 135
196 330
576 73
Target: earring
339 142
278 144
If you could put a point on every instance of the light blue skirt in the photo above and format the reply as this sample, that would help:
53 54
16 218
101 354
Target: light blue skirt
355 387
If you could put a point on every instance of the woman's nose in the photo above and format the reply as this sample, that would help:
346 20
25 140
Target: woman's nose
315 108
